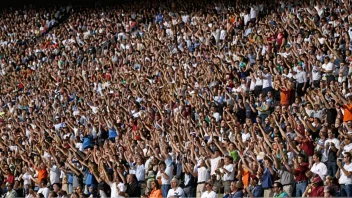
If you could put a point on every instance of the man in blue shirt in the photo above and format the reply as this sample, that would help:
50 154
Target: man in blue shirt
254 190
267 179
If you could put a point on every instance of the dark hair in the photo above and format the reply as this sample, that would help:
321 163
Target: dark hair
317 154
157 185
348 154
44 181
279 185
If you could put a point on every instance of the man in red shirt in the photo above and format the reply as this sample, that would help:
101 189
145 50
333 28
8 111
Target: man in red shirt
300 169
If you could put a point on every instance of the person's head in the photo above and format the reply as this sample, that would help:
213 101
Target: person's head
52 194
329 180
267 161
254 181
155 184
347 157
43 183
9 186
162 166
277 187
228 160
317 157
347 140
78 189
233 187
209 186
300 158
331 134
329 191
56 187
174 183
131 178
317 181
92 189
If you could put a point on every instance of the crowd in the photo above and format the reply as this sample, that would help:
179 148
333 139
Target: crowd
177 99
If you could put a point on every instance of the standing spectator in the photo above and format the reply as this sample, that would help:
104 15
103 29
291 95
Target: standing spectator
165 174
319 168
332 145
345 175
300 169
267 180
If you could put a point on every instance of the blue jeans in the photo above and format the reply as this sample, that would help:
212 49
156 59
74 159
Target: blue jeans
165 189
300 188
332 168
346 190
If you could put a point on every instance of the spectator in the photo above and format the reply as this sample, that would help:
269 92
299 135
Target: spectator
278 191
345 175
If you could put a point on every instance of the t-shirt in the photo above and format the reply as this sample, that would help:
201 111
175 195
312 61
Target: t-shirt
344 179
177 192
55 173
42 173
114 191
210 194
45 191
347 116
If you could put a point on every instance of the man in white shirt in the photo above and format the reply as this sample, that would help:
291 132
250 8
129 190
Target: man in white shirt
301 78
345 179
165 173
209 193
11 193
328 67
319 168
267 82
228 173
332 145
43 188
203 175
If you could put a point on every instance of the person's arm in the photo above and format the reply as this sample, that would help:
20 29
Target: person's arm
346 172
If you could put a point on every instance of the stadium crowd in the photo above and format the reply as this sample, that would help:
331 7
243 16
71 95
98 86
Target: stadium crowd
177 99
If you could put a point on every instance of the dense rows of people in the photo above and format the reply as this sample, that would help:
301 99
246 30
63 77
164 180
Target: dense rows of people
177 99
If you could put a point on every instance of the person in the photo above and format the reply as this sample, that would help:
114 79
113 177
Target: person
44 188
300 169
315 189
132 189
201 172
175 190
209 192
11 193
345 175
156 191
268 177
318 167
254 190
278 190
165 175
236 190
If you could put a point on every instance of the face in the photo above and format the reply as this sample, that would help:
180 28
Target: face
173 184
276 189
56 187
233 186
346 159
209 187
